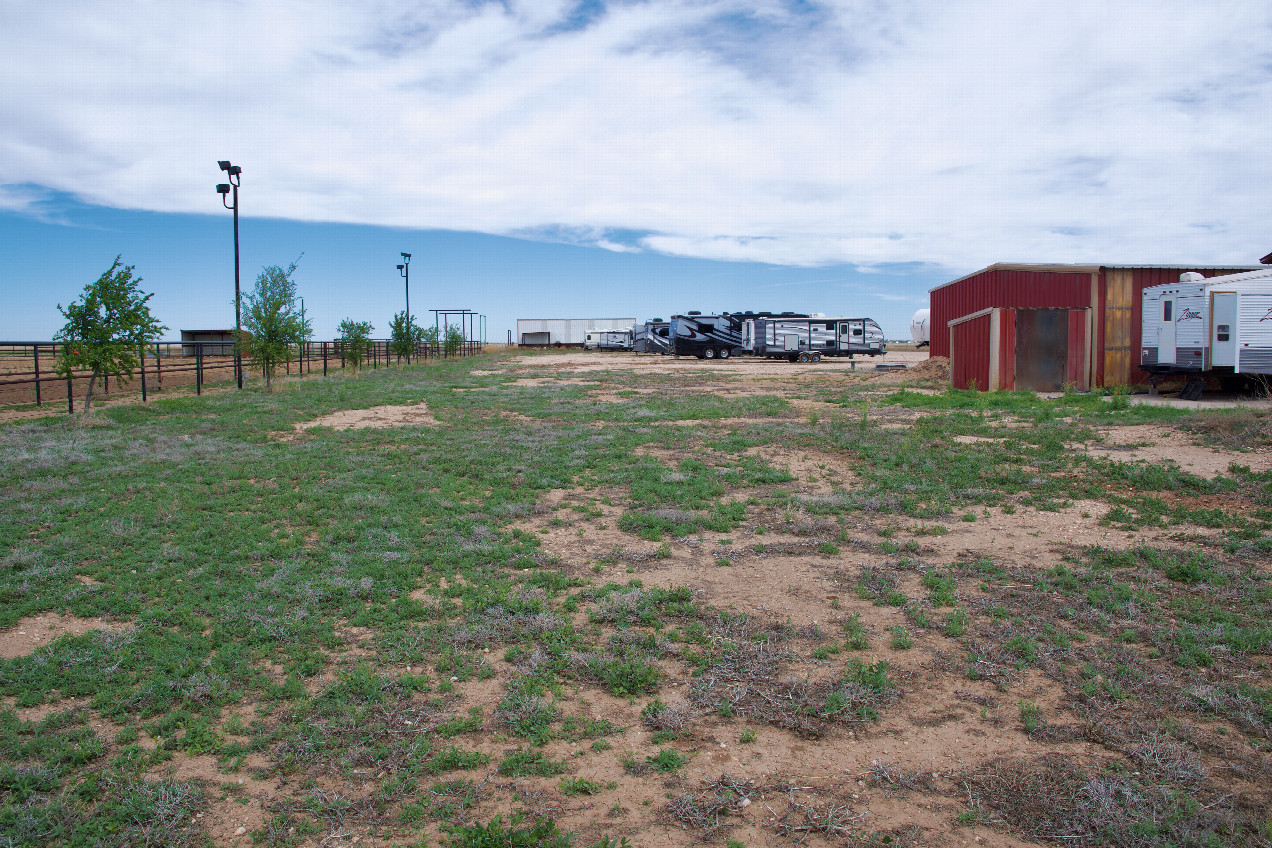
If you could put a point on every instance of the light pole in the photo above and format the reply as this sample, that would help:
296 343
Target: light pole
235 175
405 270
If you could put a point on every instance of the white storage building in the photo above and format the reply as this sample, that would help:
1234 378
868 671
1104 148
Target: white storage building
571 332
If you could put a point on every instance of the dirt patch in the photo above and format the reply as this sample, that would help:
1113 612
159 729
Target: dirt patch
375 417
1154 444
36 631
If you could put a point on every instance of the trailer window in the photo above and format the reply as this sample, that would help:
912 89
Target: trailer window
1222 332
1168 310
856 331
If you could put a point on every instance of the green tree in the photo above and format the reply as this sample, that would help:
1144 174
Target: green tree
107 328
453 339
272 325
355 337
404 335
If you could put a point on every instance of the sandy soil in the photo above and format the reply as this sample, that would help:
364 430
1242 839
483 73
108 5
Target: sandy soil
36 631
799 572
372 418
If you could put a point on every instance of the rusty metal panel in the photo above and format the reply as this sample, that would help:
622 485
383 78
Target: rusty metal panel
1042 349
1120 298
969 362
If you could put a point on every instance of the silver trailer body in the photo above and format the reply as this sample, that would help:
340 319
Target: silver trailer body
1199 325
788 338
653 337
597 339
544 332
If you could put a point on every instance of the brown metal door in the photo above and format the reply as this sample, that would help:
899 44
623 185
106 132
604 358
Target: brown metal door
1042 349
1119 291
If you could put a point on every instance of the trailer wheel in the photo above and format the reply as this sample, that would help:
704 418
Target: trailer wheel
816 357
725 353
709 353
803 357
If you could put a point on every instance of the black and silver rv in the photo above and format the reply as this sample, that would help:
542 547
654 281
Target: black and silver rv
811 337
654 336
714 336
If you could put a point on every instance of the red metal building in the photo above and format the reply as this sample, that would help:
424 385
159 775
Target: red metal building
1042 327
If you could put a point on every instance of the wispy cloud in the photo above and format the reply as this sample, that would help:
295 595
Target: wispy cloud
782 131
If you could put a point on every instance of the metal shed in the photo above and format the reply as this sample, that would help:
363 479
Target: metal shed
564 332
215 342
1042 327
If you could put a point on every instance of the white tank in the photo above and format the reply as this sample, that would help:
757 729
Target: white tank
919 330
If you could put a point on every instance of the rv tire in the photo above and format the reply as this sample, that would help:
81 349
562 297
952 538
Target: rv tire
725 353
709 353
816 357
803 357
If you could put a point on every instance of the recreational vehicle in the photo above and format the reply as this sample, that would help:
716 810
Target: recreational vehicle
714 336
920 331
1216 325
654 336
806 339
608 340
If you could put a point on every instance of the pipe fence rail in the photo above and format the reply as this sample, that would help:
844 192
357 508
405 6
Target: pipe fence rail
28 373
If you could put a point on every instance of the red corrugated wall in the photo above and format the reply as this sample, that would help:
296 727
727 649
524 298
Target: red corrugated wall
1007 349
1020 289
971 363
1074 371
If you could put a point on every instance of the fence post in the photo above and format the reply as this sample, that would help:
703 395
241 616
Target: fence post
158 365
143 373
37 375
324 359
198 368
70 395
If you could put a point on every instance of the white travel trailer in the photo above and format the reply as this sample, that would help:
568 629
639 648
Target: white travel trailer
805 338
920 331
1199 325
597 339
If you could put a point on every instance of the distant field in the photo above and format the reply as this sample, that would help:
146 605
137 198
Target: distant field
551 599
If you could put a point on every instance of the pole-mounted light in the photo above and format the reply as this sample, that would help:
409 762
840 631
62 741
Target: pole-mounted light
405 270
235 176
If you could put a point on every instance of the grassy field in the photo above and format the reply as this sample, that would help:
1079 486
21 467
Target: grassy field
670 606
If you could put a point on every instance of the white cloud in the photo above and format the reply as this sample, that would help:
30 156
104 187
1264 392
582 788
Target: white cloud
955 134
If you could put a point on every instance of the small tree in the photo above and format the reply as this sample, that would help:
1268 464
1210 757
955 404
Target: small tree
429 336
453 339
107 329
355 336
404 335
271 322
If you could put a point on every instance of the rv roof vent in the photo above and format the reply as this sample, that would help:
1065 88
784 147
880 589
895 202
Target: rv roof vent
1191 277
695 312
817 315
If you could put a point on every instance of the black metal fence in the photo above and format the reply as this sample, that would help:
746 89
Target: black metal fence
28 374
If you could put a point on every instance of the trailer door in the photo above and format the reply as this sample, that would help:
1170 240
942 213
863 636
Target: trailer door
851 332
1166 334
1223 328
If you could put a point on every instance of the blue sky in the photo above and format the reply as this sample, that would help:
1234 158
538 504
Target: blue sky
573 159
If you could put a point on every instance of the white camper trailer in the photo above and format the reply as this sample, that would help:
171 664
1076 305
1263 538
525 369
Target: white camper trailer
920 331
597 339
1199 325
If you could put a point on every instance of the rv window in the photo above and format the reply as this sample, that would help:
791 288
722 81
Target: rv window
663 331
1168 310
1221 332
856 331
830 326
843 328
